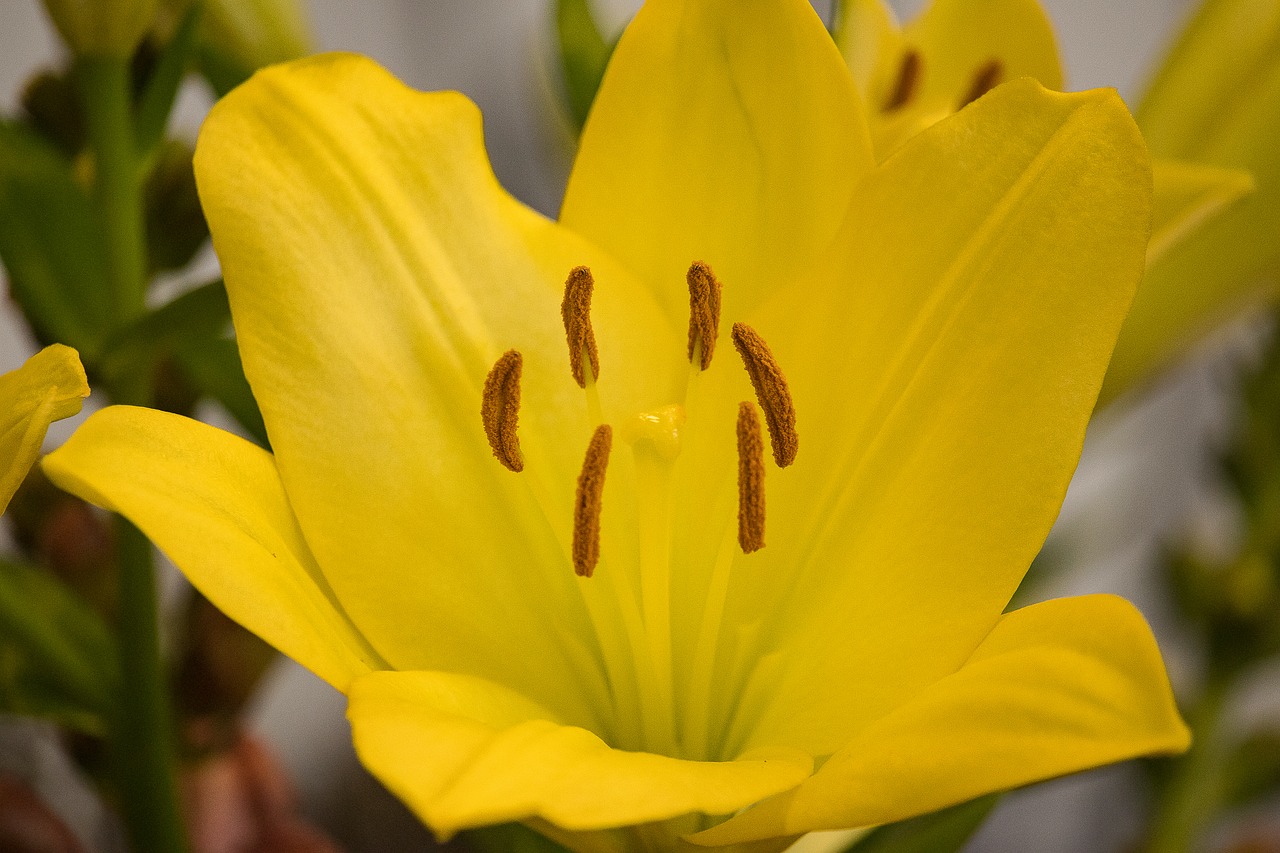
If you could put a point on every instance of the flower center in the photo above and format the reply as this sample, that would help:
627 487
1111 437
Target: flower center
635 611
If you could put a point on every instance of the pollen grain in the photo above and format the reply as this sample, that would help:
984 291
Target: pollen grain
588 501
750 479
772 392
704 311
575 309
500 409
987 77
904 88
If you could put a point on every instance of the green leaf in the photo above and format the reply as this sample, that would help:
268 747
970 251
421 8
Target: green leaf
944 831
1253 770
214 368
50 243
584 53
193 330
153 108
510 838
57 656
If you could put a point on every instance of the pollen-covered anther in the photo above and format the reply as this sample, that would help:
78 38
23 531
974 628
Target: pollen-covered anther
704 312
772 392
908 80
500 409
588 501
575 309
750 479
989 75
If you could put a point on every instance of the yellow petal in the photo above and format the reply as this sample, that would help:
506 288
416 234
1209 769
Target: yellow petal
957 37
870 39
214 504
961 48
48 388
1056 688
726 131
942 396
1186 196
463 752
376 271
1215 101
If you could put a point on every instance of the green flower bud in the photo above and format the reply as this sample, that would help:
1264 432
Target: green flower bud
102 27
241 36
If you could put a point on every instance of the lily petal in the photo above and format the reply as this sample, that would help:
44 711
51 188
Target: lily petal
1186 195
376 272
959 37
1056 688
463 752
1215 101
943 394
50 386
215 505
726 131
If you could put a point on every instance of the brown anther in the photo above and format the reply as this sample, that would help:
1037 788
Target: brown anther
500 409
986 78
704 311
904 88
771 391
586 505
750 479
576 311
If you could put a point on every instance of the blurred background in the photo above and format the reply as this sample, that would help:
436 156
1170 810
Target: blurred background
1148 471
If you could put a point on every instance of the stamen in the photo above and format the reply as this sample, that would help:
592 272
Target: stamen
904 89
985 79
771 391
576 311
500 409
750 479
586 506
704 311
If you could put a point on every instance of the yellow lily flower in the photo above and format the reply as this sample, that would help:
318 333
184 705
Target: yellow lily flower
1204 256
48 387
567 584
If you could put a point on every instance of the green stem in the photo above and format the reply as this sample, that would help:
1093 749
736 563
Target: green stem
1194 792
143 737
104 86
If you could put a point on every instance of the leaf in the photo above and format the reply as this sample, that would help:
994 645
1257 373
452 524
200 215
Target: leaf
943 831
156 102
214 368
510 838
50 243
193 330
584 53
57 656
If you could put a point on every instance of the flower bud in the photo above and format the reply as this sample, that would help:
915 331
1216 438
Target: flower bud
102 27
241 36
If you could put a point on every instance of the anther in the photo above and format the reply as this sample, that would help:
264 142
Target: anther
986 78
576 311
771 391
750 479
587 503
500 409
704 311
904 88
